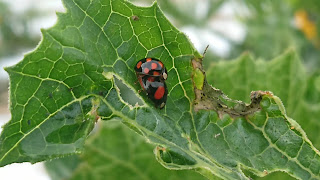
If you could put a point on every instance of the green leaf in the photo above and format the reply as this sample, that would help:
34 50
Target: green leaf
125 155
63 168
284 75
59 90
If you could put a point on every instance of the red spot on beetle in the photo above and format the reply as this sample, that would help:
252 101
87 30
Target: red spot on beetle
148 59
151 79
146 70
160 64
159 93
156 73
139 64
154 66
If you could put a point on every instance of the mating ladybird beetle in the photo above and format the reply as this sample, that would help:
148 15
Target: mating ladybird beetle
151 67
155 88
151 75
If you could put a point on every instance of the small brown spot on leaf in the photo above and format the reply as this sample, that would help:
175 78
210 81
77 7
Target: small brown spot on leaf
97 118
161 149
265 172
100 93
135 18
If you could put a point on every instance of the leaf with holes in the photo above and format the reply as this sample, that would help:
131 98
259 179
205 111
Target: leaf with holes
134 160
284 76
85 64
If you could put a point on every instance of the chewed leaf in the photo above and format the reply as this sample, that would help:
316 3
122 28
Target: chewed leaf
134 160
285 76
73 78
60 89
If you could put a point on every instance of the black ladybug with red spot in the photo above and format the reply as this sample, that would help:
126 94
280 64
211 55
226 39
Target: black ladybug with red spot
151 67
151 75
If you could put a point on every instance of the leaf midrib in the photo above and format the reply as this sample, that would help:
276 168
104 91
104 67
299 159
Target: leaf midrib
200 162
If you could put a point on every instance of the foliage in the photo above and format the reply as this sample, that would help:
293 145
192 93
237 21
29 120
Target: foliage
59 90
284 75
115 151
14 31
273 26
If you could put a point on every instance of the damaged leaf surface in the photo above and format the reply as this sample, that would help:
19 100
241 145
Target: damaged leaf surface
59 90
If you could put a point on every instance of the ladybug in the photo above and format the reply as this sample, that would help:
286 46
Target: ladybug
155 88
151 67
151 75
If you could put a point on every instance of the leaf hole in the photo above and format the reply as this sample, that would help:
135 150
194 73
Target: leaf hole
127 94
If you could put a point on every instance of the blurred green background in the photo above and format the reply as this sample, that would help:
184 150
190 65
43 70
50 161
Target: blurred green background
265 29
